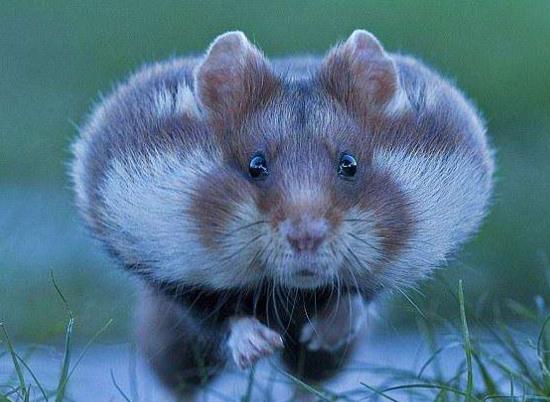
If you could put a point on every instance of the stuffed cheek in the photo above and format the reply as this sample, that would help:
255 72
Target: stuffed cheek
375 226
227 221
391 216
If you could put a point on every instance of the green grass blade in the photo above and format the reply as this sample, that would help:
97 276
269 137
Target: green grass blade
541 352
33 377
305 386
434 356
490 385
120 391
61 296
15 361
217 394
63 377
510 373
426 328
523 372
5 397
430 386
521 310
525 398
62 384
379 393
249 386
11 392
87 347
28 394
526 371
467 344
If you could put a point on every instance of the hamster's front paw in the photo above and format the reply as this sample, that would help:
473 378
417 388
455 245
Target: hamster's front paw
250 340
335 326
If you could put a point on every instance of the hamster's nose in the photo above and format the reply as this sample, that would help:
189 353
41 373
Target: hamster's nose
307 234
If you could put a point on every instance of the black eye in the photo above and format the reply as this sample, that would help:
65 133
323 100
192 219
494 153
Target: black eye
347 166
258 167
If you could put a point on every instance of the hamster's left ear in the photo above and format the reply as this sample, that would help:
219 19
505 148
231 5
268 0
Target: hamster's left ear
360 74
233 78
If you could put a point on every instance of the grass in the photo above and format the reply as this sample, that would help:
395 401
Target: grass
20 390
498 363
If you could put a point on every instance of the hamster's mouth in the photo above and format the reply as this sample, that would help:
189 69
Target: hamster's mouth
308 281
307 272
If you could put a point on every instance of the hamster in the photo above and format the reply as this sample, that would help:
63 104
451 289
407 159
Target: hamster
265 203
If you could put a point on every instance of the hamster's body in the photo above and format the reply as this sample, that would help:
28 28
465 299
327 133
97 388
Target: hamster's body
261 201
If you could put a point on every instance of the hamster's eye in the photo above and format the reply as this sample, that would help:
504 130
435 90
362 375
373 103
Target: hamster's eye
347 166
258 167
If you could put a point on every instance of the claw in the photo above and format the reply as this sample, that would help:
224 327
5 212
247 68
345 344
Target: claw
333 329
250 340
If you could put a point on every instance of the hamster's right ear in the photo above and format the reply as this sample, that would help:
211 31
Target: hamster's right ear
233 77
362 75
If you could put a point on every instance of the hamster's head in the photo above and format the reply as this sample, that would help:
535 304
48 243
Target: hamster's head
294 198
361 170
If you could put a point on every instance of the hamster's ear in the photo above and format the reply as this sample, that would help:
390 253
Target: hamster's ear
360 74
233 77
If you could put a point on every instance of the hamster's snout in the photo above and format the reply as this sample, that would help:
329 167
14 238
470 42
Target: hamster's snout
305 234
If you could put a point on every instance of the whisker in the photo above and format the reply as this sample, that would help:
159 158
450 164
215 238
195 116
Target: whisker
293 304
335 309
353 276
267 300
242 248
367 243
350 251
315 312
289 313
350 318
276 311
357 220
249 225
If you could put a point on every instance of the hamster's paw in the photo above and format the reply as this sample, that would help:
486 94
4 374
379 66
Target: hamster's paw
250 340
334 327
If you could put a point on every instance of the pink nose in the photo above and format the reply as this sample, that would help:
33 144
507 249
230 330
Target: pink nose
305 235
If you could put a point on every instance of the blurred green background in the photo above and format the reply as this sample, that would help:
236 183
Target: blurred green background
58 57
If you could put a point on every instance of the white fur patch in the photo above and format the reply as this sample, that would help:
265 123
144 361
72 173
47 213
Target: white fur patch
448 194
398 105
77 172
181 102
186 102
146 209
79 149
